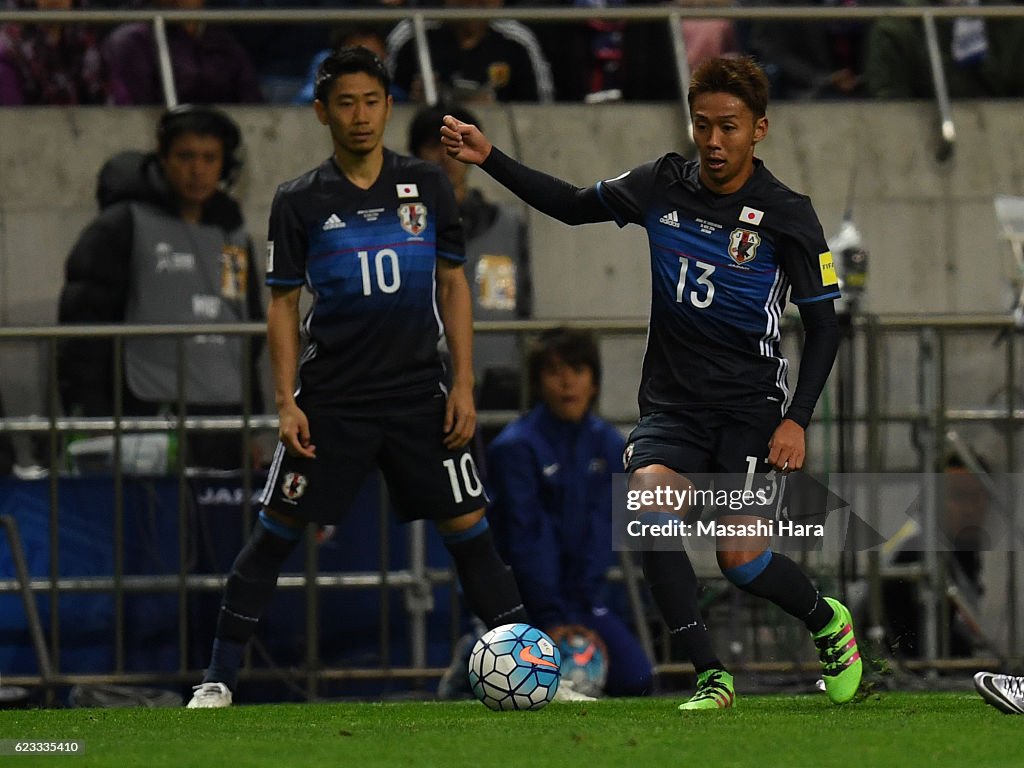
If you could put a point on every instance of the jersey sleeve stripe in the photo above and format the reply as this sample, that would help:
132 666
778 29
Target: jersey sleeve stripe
600 196
813 299
281 281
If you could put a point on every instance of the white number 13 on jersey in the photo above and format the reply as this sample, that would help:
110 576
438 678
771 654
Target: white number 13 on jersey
703 282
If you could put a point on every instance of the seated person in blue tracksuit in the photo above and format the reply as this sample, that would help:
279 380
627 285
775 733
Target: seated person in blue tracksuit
549 476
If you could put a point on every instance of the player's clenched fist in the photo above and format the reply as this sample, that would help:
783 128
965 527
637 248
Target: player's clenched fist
464 142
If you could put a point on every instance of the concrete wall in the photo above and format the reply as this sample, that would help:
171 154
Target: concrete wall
930 227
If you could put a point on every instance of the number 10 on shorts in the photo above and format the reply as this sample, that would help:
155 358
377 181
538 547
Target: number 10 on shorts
463 478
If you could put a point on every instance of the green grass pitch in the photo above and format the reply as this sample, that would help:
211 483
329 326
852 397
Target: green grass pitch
893 729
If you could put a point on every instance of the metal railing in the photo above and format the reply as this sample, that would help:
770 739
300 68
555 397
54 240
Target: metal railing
933 416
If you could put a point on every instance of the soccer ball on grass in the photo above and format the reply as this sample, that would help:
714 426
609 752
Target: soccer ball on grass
515 666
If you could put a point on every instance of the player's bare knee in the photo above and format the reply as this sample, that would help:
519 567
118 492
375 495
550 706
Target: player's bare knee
656 489
736 551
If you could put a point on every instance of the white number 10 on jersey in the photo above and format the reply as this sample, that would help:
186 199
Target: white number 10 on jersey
384 283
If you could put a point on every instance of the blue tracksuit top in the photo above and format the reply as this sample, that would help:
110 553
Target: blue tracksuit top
550 484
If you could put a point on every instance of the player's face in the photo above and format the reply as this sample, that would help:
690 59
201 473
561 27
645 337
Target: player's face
356 110
192 167
566 389
725 131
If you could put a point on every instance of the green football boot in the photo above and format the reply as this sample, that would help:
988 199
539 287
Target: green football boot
714 691
840 659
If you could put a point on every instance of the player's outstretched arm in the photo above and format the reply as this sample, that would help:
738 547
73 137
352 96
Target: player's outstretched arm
455 304
283 342
555 197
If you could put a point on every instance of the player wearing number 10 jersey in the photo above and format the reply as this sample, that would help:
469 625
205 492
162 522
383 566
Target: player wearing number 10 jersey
376 239
369 257
728 244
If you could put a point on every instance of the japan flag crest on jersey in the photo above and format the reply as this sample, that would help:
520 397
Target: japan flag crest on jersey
743 245
412 217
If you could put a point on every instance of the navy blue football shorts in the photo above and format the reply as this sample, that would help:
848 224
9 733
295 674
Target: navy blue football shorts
425 480
727 450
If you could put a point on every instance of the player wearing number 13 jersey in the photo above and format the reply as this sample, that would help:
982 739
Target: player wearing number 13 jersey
376 239
728 244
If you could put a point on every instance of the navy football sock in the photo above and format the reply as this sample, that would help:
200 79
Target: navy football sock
488 584
777 578
250 586
673 585
225 662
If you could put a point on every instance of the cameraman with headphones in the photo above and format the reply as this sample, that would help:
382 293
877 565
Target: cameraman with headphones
168 246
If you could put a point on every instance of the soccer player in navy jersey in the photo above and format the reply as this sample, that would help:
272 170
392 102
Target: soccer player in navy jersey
728 242
376 238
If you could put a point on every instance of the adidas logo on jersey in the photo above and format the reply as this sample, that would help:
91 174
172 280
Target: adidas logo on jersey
671 218
333 222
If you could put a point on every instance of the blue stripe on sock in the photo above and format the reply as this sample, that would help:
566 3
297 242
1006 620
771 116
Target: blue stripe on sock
746 573
279 529
470 533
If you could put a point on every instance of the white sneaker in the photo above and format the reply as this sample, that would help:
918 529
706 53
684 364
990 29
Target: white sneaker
210 696
1004 692
567 692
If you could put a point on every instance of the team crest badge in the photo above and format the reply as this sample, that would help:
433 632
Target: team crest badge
743 245
294 485
627 455
412 217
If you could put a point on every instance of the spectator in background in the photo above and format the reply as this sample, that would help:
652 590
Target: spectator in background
209 65
280 52
169 246
474 61
650 72
603 54
962 539
48 64
550 482
497 265
981 58
606 60
810 59
369 36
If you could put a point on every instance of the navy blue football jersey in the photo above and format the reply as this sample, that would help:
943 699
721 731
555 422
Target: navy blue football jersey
369 259
722 267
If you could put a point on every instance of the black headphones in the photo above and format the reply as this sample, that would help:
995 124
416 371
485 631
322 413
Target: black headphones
204 120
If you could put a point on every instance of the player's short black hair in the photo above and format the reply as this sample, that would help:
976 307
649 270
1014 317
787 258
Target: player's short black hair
348 61
425 127
740 76
575 347
202 120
